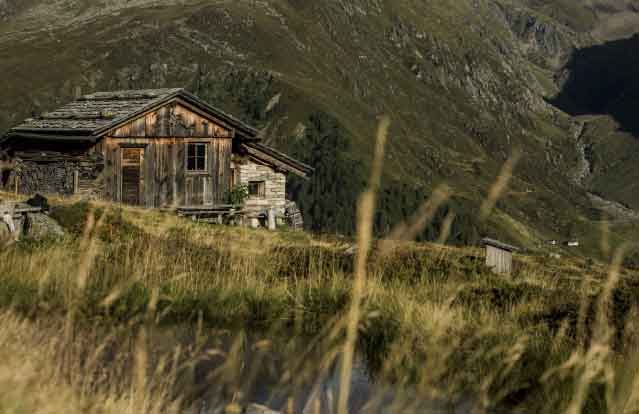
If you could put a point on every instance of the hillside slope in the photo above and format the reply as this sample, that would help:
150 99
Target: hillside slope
464 82
240 309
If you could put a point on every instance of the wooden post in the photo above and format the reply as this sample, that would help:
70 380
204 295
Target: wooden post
76 182
272 224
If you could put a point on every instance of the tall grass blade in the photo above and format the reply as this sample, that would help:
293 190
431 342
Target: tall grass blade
366 210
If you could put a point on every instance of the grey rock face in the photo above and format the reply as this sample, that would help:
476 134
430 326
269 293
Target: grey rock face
7 8
39 226
543 40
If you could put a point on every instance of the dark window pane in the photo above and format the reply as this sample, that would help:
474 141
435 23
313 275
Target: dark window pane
196 157
257 188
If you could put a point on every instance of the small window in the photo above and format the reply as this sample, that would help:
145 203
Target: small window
257 189
196 157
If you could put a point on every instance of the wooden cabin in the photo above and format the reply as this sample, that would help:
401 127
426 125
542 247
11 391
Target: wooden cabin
157 148
499 256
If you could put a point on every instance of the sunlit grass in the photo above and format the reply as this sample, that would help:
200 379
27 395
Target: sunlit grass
139 311
491 336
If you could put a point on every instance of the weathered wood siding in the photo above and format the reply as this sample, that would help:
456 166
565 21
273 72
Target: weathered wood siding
219 169
165 181
164 134
501 261
176 119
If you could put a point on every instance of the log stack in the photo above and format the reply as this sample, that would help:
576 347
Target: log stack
51 172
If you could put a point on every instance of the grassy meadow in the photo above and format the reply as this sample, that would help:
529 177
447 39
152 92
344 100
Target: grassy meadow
91 321
557 336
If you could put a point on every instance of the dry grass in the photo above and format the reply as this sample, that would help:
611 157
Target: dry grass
418 300
35 376
430 321
501 342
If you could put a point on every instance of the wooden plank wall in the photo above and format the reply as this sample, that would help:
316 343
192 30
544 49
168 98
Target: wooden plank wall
501 261
180 173
173 120
165 179
220 168
164 133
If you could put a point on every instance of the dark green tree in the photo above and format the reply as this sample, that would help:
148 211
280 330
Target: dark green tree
328 200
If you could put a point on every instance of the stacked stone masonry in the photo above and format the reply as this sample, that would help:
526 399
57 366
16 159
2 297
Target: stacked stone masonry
274 191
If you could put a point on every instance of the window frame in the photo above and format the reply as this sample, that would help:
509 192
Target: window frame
261 189
187 157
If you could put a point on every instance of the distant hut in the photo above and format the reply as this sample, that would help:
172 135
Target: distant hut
499 256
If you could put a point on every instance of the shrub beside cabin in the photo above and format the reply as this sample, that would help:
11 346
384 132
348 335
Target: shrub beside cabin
162 148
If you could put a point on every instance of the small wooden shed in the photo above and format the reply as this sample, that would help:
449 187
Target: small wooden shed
499 256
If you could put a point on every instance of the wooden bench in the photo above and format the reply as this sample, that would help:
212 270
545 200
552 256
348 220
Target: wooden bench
218 214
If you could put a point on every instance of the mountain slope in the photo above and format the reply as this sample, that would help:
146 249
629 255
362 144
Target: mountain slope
464 82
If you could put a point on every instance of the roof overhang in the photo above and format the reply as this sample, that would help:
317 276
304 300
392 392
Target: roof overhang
277 159
61 136
499 245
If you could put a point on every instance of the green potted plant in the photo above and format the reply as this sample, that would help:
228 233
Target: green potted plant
238 195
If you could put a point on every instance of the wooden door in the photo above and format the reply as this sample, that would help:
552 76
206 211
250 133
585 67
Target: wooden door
219 169
132 175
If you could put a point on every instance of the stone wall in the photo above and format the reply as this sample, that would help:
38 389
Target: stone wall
275 187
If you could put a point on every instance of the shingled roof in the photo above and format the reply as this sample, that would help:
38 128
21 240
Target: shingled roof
95 114
500 245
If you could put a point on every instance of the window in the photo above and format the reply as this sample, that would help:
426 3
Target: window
196 157
257 189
